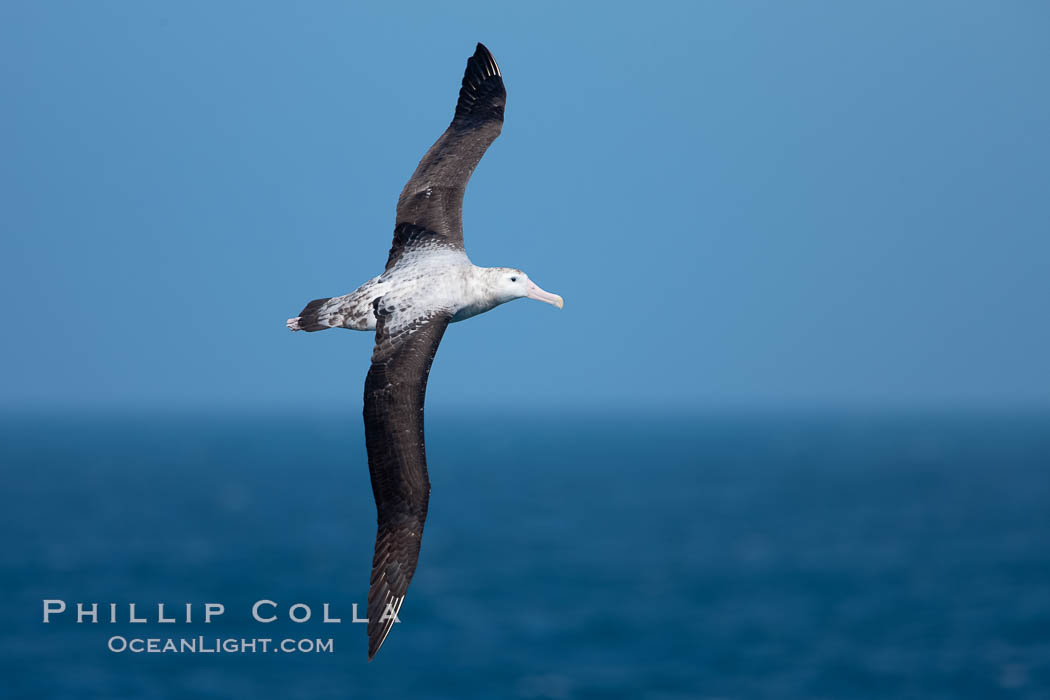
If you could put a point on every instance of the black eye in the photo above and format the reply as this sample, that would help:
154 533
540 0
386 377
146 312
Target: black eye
513 279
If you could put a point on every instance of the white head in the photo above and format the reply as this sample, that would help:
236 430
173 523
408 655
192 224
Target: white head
508 284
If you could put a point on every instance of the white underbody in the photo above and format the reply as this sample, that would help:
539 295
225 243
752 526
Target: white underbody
421 283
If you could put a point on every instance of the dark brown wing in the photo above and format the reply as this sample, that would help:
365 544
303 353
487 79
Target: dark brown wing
409 237
433 198
394 395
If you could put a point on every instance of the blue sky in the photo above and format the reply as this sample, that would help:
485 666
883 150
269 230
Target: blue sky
743 204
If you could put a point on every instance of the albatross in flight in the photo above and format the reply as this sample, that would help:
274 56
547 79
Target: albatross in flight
429 282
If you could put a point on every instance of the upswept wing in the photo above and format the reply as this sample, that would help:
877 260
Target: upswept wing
433 198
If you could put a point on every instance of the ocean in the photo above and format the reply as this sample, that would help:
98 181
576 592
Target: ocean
749 555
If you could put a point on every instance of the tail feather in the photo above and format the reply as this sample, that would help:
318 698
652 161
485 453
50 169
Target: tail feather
309 318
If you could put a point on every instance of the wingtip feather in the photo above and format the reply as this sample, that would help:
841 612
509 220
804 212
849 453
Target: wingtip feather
482 94
376 640
485 57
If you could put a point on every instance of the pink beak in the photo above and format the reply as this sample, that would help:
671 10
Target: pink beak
534 292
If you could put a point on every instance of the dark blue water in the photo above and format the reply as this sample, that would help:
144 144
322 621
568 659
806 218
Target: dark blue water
802 556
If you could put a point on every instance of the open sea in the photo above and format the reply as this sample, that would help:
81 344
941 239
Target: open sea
580 556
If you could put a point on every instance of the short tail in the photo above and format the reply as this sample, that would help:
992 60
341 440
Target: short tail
309 318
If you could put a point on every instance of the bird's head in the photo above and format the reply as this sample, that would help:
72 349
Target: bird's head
509 284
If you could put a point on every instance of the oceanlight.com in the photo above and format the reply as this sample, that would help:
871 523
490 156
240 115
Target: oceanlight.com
217 645
262 612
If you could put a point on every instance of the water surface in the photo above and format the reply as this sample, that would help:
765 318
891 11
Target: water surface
745 556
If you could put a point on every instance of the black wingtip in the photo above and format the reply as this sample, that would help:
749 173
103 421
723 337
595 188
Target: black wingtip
485 61
381 629
482 95
374 646
483 55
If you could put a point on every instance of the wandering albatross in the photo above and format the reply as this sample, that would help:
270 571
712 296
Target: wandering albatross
428 283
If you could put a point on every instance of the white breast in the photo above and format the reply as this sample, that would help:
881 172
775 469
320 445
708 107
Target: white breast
435 281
